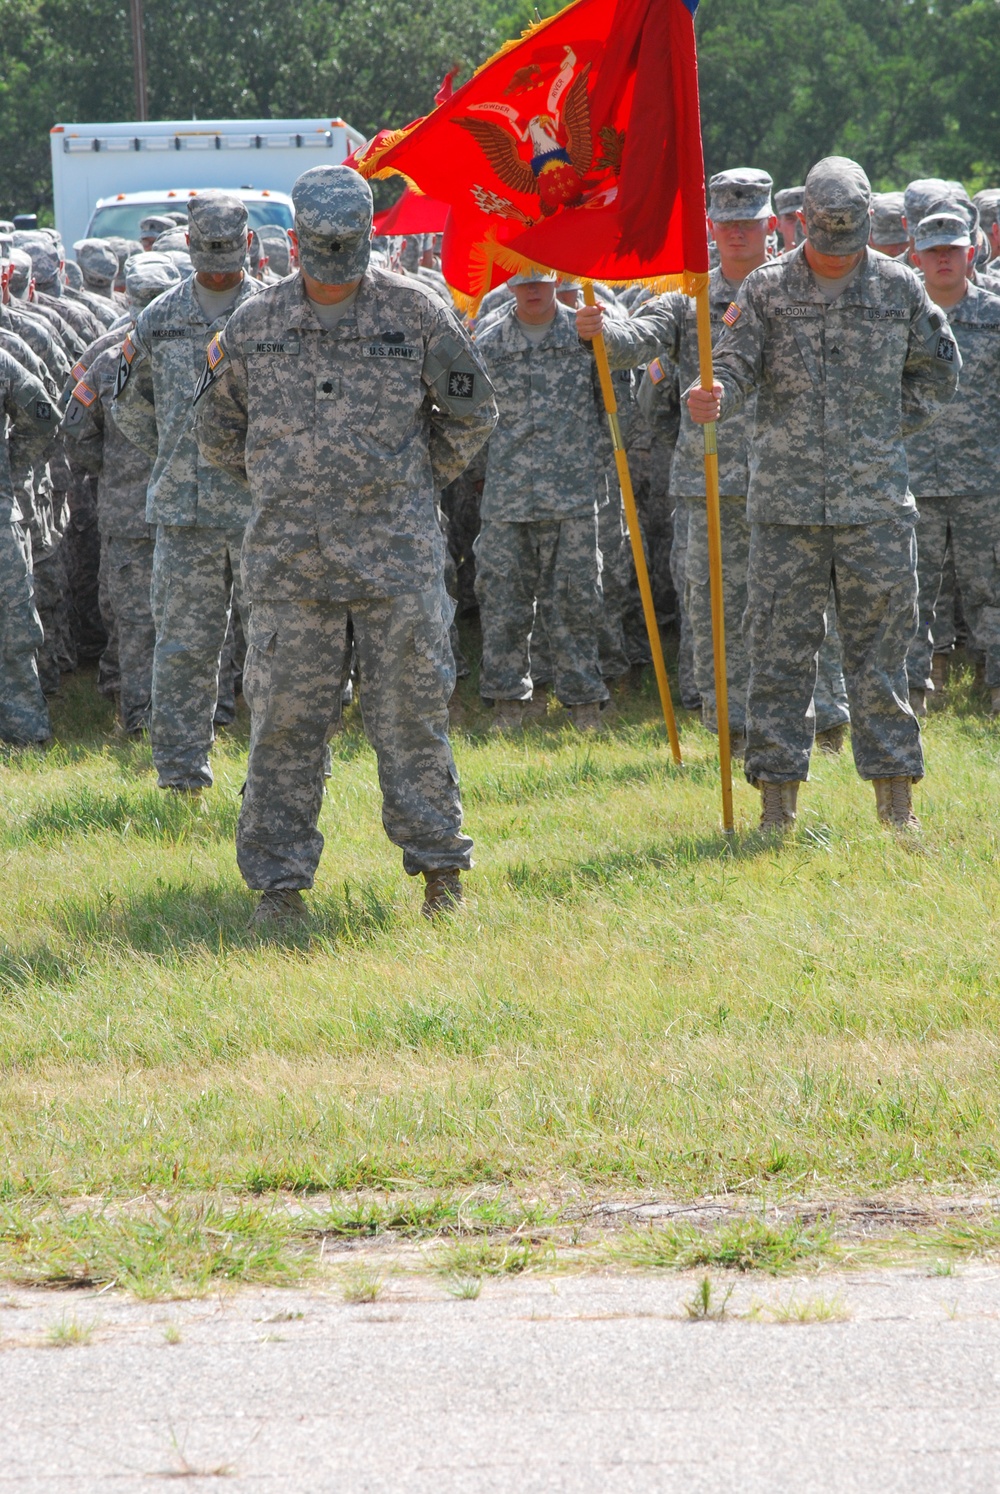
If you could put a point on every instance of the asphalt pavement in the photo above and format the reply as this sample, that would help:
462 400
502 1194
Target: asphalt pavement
541 1384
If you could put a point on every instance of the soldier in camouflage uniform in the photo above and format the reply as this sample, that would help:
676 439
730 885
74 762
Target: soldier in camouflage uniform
787 206
348 397
889 235
846 355
123 472
741 217
953 464
545 477
200 512
29 424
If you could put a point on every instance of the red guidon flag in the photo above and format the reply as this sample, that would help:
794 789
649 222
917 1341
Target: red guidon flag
577 148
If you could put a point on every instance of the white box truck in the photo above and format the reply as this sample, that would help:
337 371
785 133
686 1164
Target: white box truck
105 177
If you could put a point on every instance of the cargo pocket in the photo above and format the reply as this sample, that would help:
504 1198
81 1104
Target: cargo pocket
258 667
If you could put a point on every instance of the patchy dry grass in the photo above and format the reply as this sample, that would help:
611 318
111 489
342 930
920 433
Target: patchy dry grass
629 1003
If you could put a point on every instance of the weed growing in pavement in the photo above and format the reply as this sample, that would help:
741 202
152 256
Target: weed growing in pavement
69 1333
464 1288
746 1245
704 1306
361 1285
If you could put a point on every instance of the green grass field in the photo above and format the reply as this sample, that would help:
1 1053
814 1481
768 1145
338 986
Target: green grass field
628 1005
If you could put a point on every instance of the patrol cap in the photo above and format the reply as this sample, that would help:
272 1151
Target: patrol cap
156 223
739 194
788 201
945 229
887 218
924 197
98 262
73 274
180 258
172 238
333 221
148 276
533 277
43 254
21 271
988 203
217 232
837 206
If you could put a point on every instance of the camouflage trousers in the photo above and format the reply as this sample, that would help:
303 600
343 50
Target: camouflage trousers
690 698
616 568
24 716
554 566
57 654
873 571
830 696
196 578
698 595
970 526
128 565
297 661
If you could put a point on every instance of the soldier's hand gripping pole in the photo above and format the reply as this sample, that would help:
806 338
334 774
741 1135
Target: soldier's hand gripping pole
634 532
715 564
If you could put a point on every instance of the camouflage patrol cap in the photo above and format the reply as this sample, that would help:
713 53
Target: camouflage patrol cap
73 274
155 224
217 232
837 206
788 201
172 238
148 276
739 195
277 248
944 229
988 203
21 271
333 221
533 277
43 254
98 262
923 197
887 218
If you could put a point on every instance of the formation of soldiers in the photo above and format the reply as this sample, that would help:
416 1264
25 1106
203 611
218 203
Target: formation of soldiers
279 462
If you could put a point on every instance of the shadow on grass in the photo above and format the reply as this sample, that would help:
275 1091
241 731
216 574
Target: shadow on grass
174 921
614 867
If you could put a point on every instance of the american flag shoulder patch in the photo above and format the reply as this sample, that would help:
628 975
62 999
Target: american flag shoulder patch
78 370
128 350
216 353
84 393
656 371
732 315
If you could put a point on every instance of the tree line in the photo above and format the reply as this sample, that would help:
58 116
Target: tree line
907 87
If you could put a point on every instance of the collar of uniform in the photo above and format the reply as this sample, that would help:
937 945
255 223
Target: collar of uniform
561 331
864 290
361 320
722 290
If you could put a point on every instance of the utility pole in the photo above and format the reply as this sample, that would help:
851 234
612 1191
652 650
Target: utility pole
139 60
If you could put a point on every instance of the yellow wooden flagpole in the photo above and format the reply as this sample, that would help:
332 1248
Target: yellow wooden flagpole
635 534
715 563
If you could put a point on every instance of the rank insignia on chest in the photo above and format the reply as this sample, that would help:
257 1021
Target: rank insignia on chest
732 314
461 385
656 371
216 353
84 394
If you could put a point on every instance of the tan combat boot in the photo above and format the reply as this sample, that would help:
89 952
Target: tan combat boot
508 718
442 893
283 908
778 802
894 802
831 741
587 717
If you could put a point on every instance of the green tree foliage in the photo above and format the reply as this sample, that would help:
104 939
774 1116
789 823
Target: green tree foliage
908 87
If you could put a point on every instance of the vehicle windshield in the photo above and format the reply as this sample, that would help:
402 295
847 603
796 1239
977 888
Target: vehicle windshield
122 219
